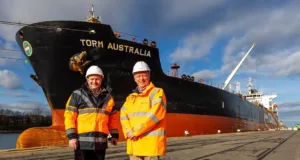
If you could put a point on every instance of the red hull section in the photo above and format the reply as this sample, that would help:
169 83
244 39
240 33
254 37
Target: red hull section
177 124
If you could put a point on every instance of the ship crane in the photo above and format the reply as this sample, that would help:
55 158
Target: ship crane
236 68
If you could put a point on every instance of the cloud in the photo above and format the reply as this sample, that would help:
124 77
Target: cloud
14 95
183 10
10 80
34 90
265 25
289 66
289 107
289 104
109 11
194 46
289 112
26 106
290 120
9 57
205 74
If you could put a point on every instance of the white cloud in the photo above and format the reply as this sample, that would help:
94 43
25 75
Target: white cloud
10 80
26 106
289 109
275 29
34 90
289 104
205 74
7 57
32 11
14 95
289 65
184 10
194 45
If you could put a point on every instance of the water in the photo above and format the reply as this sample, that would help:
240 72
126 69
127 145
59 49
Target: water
8 141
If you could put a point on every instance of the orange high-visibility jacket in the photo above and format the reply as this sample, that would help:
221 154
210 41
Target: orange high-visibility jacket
90 119
145 113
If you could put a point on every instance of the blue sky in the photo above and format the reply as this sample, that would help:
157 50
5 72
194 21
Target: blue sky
207 38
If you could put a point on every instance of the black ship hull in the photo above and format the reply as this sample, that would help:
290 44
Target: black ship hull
52 48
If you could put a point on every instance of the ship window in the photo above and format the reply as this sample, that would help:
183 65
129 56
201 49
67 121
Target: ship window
222 104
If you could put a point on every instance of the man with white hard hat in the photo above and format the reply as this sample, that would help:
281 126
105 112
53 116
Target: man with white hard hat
90 117
143 117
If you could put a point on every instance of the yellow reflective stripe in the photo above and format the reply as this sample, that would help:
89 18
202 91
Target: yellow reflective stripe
122 118
123 108
148 114
71 108
113 131
86 100
92 139
70 131
136 114
153 117
94 110
154 102
155 133
153 94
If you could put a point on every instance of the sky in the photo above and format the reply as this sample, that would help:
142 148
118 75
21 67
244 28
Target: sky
206 38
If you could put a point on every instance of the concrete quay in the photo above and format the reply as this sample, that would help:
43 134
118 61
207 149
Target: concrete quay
273 145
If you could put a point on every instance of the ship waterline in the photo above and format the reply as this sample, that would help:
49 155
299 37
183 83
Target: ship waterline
177 126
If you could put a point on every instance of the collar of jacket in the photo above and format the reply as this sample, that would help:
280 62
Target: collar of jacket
145 91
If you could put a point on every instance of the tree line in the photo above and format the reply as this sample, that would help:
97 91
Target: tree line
16 121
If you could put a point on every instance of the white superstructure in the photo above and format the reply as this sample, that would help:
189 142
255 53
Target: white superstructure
266 100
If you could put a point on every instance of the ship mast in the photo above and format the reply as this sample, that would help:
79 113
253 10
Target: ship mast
249 85
236 68
92 18
175 68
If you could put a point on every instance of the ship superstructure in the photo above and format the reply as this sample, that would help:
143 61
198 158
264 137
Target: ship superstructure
265 100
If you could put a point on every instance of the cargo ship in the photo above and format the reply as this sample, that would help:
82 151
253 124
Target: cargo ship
61 51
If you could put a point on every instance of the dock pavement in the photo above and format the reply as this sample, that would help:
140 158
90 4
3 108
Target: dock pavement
267 145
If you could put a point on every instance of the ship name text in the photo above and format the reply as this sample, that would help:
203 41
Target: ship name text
116 47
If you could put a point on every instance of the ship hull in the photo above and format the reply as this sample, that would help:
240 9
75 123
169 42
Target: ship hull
193 107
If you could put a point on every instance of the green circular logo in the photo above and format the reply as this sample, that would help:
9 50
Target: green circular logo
27 48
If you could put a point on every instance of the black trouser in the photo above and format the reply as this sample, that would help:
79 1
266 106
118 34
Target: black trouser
90 154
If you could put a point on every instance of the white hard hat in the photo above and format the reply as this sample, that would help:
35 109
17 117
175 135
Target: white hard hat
140 66
94 70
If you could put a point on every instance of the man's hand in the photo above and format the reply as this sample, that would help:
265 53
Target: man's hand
114 141
129 134
73 143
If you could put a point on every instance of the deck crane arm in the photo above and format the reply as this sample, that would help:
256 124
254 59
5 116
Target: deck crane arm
236 68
